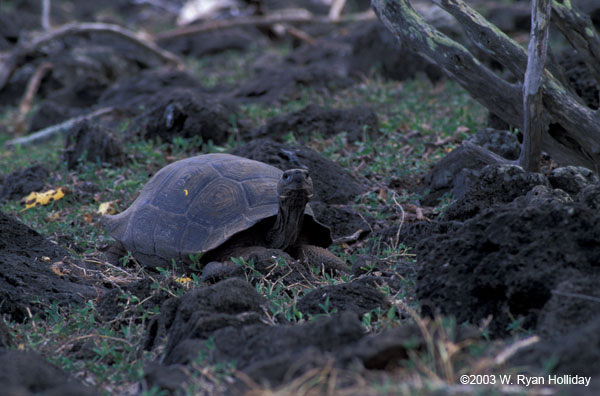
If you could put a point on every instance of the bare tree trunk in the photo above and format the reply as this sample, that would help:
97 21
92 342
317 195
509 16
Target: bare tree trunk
579 141
533 124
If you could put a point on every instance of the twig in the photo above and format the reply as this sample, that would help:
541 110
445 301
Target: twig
577 295
32 87
514 348
336 9
46 14
265 20
533 123
299 34
12 60
49 132
349 238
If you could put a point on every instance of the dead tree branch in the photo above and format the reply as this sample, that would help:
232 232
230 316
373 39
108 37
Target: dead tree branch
265 20
533 124
48 133
580 32
11 61
579 145
32 87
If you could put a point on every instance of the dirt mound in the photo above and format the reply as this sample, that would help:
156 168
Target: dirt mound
332 184
26 258
226 322
210 43
186 113
92 142
283 82
576 353
354 297
574 303
357 122
493 185
451 172
506 260
112 303
28 374
147 89
20 183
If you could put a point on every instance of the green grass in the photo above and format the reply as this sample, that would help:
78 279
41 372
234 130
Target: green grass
412 115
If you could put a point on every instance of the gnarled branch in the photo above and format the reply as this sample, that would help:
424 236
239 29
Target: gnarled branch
579 145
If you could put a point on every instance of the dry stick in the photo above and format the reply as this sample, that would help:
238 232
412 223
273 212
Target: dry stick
32 87
46 14
63 127
533 108
336 9
12 60
579 30
581 142
265 20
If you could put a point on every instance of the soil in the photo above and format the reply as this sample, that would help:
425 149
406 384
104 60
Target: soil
26 262
357 122
185 113
231 314
28 374
91 142
507 258
20 183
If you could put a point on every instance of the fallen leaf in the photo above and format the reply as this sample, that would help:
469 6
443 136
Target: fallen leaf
45 259
59 269
183 280
106 208
88 218
43 198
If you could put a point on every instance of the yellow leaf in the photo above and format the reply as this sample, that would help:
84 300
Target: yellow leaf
184 280
186 192
43 198
106 208
58 269
21 347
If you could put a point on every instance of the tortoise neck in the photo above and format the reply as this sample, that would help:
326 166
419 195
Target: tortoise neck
288 223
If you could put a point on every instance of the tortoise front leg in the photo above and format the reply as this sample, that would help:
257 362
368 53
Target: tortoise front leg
316 256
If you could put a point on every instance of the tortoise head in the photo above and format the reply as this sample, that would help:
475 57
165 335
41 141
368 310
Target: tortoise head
295 184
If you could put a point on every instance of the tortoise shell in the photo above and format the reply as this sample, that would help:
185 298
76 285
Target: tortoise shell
196 204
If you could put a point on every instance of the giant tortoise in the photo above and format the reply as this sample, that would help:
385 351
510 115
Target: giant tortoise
222 206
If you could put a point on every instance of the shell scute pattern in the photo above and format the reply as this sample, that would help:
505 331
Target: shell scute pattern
195 205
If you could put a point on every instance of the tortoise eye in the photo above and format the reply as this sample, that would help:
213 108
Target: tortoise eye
286 176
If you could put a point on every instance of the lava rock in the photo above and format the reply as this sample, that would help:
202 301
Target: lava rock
502 142
572 179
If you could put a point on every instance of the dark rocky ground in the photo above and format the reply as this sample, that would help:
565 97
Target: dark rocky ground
514 251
